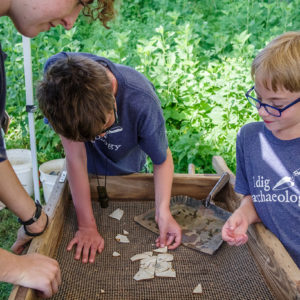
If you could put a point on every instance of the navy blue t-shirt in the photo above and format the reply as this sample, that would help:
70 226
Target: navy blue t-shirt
141 129
268 169
2 101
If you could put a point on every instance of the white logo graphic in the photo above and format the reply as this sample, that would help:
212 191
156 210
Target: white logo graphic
286 182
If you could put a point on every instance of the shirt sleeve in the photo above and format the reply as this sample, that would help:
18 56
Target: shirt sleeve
152 131
3 155
241 183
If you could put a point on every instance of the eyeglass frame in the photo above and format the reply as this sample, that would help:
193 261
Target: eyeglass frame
280 110
116 122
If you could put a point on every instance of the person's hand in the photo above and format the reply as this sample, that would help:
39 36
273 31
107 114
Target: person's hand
170 231
235 228
89 242
38 272
23 239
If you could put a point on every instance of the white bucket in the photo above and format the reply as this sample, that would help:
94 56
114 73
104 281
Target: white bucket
20 160
48 179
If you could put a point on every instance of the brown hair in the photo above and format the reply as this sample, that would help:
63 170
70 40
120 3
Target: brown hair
279 63
103 11
76 96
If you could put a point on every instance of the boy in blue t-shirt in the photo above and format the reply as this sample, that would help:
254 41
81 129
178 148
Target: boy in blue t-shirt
108 117
268 152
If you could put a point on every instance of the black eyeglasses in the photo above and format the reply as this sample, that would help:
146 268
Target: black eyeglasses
271 110
110 127
114 124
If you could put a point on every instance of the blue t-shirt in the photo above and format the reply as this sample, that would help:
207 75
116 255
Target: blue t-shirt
141 129
268 169
2 102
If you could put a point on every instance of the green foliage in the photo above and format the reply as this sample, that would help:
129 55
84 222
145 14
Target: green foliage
196 53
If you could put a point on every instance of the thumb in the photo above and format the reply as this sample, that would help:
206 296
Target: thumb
18 247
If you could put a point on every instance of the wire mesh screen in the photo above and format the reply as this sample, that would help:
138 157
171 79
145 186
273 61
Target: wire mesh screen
230 273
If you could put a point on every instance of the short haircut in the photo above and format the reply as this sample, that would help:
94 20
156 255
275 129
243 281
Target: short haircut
279 63
76 95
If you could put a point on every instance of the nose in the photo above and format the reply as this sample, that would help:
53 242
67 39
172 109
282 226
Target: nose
69 20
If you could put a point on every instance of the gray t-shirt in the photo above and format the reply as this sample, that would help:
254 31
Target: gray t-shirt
268 169
3 155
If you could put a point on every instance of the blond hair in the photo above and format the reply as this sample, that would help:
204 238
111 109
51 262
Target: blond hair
279 63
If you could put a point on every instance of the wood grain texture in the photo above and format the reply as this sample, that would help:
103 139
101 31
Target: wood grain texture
141 186
278 268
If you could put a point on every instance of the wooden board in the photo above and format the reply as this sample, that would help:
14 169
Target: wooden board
279 270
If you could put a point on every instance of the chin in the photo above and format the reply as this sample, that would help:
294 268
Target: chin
29 31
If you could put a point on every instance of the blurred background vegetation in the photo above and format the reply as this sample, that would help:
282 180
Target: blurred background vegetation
197 53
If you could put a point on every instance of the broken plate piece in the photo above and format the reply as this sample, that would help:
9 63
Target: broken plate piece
144 274
122 238
198 289
125 232
148 262
141 256
161 250
102 291
162 266
116 254
168 273
165 257
117 214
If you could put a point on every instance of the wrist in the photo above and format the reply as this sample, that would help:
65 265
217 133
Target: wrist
38 226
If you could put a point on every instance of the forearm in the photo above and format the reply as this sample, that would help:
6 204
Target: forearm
248 210
81 195
163 179
14 196
12 193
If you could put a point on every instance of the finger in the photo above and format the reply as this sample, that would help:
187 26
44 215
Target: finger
46 292
78 251
72 243
171 238
54 285
162 239
85 253
92 254
176 243
17 248
101 247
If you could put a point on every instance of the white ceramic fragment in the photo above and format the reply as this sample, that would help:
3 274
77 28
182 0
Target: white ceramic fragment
125 232
162 266
117 214
116 254
141 256
122 238
198 289
161 250
102 291
148 262
165 257
168 273
144 274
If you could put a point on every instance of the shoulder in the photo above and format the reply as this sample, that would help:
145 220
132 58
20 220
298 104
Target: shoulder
251 130
136 82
